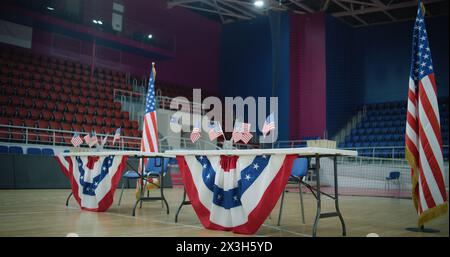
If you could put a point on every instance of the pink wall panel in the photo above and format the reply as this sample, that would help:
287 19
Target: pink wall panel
308 75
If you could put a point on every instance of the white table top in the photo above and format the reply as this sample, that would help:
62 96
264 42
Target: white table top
119 153
303 151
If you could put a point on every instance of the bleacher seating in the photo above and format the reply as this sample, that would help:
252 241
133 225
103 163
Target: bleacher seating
54 93
46 92
382 129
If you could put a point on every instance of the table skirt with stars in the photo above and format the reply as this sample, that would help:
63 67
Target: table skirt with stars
237 192
93 179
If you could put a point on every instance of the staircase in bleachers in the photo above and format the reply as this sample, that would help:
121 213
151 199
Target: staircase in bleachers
381 132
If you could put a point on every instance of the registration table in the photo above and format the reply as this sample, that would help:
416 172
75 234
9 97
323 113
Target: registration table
94 176
236 190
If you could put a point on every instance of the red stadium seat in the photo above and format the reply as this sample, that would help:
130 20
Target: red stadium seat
10 111
21 92
34 114
89 119
71 108
22 113
39 104
135 133
4 100
50 105
64 98
54 125
58 89
50 72
68 117
46 115
98 129
4 133
66 126
76 91
78 118
17 122
67 90
54 96
10 90
83 101
91 110
117 114
126 123
108 122
33 93
117 105
60 107
76 127
126 115
82 109
74 99
17 135
102 103
57 116
92 102
97 120
30 123
42 124
87 128
48 87
67 139
47 78
134 124
117 123
101 112
45 137
16 101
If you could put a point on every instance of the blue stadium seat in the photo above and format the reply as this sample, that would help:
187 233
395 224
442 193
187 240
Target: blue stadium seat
34 151
3 149
48 152
15 150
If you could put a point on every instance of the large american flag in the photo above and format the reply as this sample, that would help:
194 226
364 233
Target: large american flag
149 141
423 134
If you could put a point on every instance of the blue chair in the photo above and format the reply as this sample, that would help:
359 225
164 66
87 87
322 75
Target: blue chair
299 171
394 176
3 149
34 151
152 170
48 152
15 150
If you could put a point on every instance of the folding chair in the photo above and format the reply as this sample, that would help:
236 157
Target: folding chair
299 171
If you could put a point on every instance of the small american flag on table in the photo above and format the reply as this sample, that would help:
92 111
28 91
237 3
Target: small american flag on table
76 140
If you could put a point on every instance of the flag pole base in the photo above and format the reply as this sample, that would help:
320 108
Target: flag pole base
422 229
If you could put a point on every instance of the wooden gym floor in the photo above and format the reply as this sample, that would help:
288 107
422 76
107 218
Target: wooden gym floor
43 213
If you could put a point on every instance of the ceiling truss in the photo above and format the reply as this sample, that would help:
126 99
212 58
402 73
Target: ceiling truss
357 13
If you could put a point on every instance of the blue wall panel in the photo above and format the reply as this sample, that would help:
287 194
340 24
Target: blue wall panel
246 59
343 90
385 53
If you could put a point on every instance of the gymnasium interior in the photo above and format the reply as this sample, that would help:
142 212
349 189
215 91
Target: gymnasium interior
339 69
